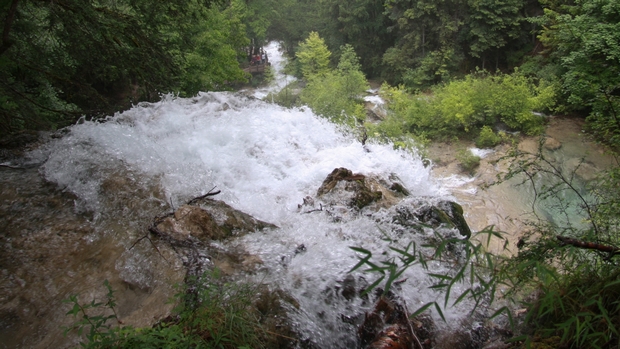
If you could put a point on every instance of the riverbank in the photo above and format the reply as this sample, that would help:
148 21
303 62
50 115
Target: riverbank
507 205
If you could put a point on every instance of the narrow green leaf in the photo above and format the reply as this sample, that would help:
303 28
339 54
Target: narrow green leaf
461 297
440 276
373 285
421 309
439 311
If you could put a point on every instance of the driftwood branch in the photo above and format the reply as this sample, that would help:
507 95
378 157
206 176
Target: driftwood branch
588 245
210 193
152 230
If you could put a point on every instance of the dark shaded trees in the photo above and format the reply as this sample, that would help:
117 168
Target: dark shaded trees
583 38
63 59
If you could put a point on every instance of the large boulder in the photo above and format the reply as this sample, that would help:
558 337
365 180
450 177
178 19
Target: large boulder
357 191
344 193
207 219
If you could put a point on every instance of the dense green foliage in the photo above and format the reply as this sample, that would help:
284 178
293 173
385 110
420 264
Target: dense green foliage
571 45
210 314
418 43
63 59
465 106
332 93
582 39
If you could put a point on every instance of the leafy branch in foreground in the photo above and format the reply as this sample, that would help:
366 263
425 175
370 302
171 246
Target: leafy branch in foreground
473 265
211 314
568 263
96 324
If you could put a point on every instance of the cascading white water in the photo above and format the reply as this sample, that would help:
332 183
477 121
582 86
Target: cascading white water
264 159
277 61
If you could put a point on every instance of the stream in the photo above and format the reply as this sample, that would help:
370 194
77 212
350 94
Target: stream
72 210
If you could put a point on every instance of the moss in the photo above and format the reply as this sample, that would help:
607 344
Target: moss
365 197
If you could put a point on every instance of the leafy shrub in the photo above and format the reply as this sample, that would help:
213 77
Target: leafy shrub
463 106
487 138
286 97
467 160
325 95
336 94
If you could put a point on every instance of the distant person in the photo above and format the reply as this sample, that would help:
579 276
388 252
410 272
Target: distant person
263 58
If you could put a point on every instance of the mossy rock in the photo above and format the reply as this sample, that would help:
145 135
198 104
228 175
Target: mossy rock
446 213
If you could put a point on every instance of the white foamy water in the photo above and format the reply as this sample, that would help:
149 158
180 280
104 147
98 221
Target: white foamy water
374 99
265 159
277 61
481 153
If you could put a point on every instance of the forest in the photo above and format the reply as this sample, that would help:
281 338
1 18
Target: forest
448 68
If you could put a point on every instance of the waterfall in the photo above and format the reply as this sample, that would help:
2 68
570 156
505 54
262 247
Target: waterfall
264 160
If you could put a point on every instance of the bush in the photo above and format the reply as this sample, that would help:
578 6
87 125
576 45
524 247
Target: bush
467 160
336 94
487 138
463 106
571 268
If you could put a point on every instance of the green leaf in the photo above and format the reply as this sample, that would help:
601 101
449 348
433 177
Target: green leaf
439 311
461 297
421 309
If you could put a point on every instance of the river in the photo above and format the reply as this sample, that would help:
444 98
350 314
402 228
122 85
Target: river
75 206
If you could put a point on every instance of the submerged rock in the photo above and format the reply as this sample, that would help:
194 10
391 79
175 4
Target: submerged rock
552 144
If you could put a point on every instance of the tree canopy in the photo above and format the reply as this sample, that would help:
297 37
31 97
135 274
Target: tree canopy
63 59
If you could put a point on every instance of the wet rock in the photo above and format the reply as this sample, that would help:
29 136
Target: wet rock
18 140
397 187
344 188
272 306
337 175
234 261
190 221
192 228
455 212
552 144
206 219
447 213
348 288
387 326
